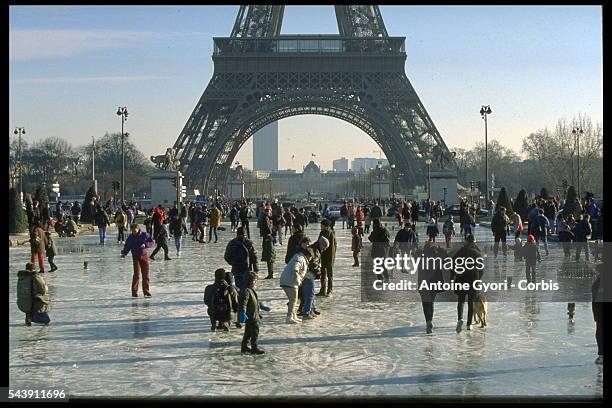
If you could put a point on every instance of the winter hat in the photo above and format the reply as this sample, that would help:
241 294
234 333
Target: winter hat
323 243
530 238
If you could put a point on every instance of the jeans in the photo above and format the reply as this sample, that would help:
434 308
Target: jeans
121 234
177 242
292 295
308 296
542 238
240 279
579 247
210 232
102 232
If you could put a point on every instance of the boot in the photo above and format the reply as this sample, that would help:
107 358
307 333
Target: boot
429 328
245 350
459 326
257 350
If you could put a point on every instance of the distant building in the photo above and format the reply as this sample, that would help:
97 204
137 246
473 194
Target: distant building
311 180
341 164
265 148
362 164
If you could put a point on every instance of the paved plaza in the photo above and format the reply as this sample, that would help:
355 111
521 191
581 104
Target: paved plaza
102 342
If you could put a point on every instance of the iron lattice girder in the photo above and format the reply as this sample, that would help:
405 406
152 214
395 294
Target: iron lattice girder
266 21
258 21
236 104
360 21
261 76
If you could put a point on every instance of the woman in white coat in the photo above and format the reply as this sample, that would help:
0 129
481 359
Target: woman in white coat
292 277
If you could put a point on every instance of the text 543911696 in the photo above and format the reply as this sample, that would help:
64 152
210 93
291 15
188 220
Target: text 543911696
10 394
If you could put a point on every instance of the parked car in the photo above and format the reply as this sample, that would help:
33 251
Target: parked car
453 209
334 211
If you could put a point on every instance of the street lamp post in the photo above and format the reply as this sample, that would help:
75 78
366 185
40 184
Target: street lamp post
577 131
370 175
20 131
379 167
392 181
428 162
484 111
123 112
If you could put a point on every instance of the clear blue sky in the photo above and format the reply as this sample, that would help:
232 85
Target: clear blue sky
70 67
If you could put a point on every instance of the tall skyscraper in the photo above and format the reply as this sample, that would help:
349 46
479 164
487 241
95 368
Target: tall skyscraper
341 164
265 148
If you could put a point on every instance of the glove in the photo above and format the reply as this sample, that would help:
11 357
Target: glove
242 317
265 308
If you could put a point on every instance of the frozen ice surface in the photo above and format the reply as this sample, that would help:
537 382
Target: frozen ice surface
102 342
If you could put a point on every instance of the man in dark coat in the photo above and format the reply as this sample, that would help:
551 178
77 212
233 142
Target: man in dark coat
469 251
499 226
328 258
242 256
379 237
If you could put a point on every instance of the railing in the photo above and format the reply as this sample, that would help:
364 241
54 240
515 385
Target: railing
314 45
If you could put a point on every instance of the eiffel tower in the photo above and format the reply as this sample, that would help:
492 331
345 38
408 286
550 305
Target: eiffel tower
261 76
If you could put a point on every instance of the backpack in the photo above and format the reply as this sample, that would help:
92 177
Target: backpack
31 291
219 303
239 254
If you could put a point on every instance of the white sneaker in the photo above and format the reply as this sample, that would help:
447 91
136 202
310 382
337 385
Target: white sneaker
178 254
296 318
290 320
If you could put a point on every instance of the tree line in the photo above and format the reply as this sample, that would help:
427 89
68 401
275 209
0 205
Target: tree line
54 160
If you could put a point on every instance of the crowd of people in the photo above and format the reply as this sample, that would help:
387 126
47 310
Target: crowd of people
232 298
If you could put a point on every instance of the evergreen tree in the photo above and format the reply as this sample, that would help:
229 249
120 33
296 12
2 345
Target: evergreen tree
41 196
86 215
17 216
544 193
521 204
503 200
571 201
